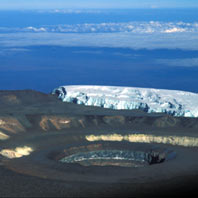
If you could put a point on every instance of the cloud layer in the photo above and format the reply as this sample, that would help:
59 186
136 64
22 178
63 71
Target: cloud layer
187 62
182 40
136 35
133 27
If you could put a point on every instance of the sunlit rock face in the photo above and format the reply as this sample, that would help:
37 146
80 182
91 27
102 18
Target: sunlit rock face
48 122
185 141
17 152
11 124
3 136
10 99
176 103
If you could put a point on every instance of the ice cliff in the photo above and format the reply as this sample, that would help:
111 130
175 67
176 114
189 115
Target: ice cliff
176 103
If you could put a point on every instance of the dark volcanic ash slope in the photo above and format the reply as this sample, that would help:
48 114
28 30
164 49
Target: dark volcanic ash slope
29 110
53 128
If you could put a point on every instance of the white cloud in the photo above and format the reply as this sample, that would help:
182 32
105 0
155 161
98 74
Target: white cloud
7 51
135 27
154 6
175 29
181 40
41 29
75 11
136 35
87 52
187 62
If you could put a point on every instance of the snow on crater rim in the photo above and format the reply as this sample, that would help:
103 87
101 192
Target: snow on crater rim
173 102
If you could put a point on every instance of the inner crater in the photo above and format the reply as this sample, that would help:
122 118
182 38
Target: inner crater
108 154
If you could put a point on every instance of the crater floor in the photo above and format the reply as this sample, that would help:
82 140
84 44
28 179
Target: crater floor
105 152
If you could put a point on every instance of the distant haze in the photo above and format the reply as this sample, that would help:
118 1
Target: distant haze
43 49
62 4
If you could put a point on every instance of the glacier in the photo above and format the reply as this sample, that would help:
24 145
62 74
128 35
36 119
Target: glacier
172 102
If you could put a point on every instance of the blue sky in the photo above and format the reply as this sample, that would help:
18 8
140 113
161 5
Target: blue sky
51 4
142 48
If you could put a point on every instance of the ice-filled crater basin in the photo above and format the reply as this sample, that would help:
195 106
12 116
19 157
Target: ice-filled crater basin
111 155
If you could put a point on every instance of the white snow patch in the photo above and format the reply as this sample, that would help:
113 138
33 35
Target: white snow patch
176 103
